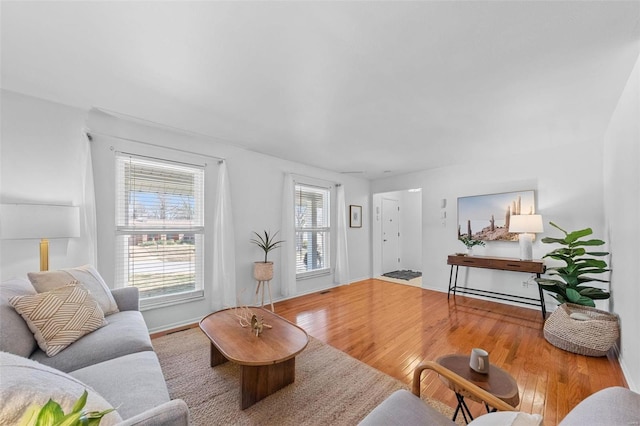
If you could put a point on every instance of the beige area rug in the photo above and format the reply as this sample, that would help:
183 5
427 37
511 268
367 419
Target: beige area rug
331 388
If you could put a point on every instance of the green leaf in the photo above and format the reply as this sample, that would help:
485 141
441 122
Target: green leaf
71 419
550 240
80 403
597 253
589 243
557 227
575 235
573 295
50 413
594 293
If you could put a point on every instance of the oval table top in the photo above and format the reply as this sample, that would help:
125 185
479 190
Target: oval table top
283 341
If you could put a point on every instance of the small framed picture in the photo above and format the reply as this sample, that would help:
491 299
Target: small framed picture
355 216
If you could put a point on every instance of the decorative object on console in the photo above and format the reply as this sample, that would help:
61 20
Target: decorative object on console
39 221
470 243
527 225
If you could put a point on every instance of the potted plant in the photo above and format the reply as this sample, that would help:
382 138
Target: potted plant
51 414
470 243
263 271
568 282
576 326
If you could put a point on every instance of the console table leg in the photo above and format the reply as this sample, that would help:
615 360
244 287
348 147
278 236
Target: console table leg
543 307
450 276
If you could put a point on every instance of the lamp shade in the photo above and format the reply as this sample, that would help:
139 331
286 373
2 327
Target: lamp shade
27 221
526 223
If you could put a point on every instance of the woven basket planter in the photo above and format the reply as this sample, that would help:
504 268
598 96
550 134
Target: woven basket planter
263 271
591 337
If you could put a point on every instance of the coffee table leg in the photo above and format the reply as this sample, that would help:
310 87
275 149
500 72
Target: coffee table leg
216 357
258 382
463 408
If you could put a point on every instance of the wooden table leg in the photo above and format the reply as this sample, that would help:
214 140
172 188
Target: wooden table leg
258 382
216 357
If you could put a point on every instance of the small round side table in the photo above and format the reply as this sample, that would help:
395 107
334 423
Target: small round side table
497 382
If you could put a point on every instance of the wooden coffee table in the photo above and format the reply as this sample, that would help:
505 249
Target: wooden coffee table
497 382
268 361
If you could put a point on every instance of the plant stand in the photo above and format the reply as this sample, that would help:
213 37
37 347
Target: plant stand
261 286
592 337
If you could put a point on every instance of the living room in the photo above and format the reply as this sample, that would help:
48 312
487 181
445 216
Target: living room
578 149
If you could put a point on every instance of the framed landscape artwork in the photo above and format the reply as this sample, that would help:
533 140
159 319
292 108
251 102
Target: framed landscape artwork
486 217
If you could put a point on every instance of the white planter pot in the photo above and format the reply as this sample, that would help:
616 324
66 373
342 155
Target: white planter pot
263 271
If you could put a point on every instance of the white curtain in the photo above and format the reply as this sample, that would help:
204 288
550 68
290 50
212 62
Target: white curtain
86 246
288 234
224 264
342 254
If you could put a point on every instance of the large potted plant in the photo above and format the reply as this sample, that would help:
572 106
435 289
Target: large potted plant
576 326
263 270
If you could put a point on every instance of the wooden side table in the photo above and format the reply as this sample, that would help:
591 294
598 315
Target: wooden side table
497 382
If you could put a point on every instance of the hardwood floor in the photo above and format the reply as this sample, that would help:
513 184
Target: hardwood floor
393 327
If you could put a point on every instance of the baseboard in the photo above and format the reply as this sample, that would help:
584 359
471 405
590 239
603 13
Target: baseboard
625 370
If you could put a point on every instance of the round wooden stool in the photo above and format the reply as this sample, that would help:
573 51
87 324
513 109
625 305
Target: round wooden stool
497 382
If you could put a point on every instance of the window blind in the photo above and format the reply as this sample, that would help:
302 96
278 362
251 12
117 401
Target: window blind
159 226
312 228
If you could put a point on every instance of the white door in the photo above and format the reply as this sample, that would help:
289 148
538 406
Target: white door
390 235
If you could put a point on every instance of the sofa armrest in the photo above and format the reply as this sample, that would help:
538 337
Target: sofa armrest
127 298
172 413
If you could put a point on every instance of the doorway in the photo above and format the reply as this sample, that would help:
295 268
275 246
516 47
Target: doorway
397 236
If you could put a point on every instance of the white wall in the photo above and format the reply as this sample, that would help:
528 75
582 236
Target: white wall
41 146
561 197
42 159
622 214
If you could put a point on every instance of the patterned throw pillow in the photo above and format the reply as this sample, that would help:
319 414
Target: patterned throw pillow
59 317
86 275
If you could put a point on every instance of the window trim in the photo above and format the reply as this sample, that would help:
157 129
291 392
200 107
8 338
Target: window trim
120 230
327 269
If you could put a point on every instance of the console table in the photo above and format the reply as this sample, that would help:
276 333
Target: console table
500 263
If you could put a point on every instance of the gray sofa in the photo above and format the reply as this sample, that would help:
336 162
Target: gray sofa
115 363
610 406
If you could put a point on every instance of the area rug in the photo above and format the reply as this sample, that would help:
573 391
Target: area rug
331 388
403 275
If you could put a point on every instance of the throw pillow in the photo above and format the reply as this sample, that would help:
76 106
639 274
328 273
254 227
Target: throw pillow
59 317
86 275
26 382
15 336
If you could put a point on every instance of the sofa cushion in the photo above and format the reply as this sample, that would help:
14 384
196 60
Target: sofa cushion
15 336
86 275
125 333
59 317
610 406
404 408
26 382
133 383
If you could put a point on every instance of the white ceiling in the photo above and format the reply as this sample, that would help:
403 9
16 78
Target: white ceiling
347 86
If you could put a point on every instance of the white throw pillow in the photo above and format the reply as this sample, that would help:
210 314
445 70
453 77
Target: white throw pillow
508 418
26 382
86 275
59 317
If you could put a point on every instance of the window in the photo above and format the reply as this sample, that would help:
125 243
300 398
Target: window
312 229
159 228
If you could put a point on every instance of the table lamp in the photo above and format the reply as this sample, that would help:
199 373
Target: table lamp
39 221
526 225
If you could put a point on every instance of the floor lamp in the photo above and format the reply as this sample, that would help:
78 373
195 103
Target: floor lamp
527 225
39 221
